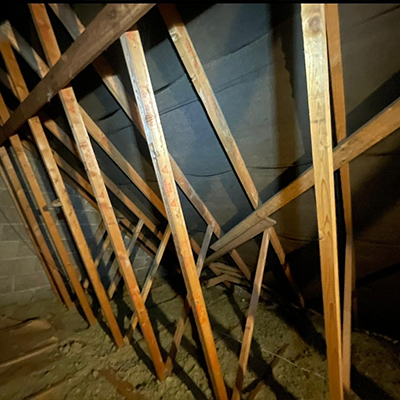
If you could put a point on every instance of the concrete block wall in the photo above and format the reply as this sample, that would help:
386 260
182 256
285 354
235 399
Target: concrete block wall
22 278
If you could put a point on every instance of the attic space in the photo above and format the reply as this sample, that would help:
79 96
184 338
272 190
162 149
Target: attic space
199 201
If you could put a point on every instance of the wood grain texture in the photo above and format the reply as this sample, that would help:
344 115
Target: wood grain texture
127 103
180 327
107 26
339 108
245 237
317 75
251 314
88 157
377 129
198 77
52 228
61 191
141 83
18 196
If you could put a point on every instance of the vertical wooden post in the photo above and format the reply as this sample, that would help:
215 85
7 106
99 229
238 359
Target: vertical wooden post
251 314
315 51
72 111
59 186
339 108
51 269
137 67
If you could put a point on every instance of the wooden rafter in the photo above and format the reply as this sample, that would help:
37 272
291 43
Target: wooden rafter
52 228
250 234
72 111
198 77
377 129
140 79
339 108
27 171
180 327
131 245
28 218
107 27
148 283
127 103
69 212
251 313
317 74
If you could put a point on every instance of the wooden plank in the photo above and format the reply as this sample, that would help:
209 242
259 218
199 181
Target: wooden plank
64 138
85 190
29 232
180 327
114 84
195 70
150 276
251 314
377 129
69 212
17 192
140 79
107 26
316 60
245 237
52 228
120 160
27 170
113 286
339 107
88 157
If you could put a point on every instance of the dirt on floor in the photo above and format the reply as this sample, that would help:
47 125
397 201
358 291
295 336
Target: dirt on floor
287 359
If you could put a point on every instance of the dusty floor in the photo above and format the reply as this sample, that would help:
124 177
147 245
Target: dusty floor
88 366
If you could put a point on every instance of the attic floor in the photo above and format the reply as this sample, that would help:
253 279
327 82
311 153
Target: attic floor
86 364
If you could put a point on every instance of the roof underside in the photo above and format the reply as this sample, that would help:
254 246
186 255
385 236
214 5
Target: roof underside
253 57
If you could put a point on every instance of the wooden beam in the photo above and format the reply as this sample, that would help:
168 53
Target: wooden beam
107 26
339 107
140 79
85 190
150 276
113 286
316 60
88 157
251 314
27 170
195 70
64 138
377 129
127 103
62 295
17 192
52 228
61 191
248 235
180 327
198 77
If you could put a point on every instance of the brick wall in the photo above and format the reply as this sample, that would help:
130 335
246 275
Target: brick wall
22 278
